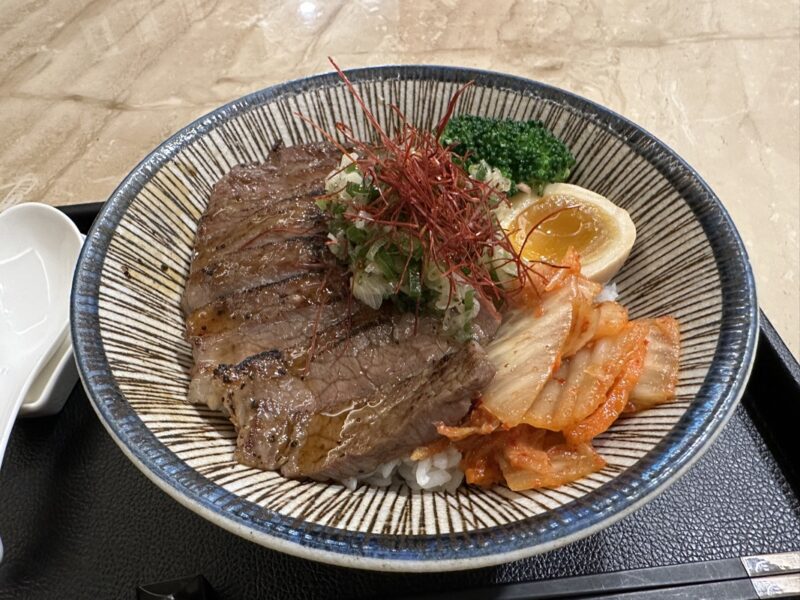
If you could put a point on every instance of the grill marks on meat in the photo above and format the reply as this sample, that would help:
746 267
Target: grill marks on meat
258 214
281 221
263 288
289 328
260 257
354 436
289 173
353 439
378 393
349 363
208 376
243 270
264 303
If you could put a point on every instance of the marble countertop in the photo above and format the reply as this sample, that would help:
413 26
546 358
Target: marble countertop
88 87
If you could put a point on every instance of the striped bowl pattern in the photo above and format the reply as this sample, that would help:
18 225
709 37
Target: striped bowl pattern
128 329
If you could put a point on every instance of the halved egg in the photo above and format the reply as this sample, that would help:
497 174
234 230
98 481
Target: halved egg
545 227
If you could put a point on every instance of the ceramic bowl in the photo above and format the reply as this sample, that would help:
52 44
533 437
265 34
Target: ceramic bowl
127 328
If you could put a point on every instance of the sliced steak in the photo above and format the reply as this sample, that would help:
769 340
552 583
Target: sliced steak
276 316
294 172
355 438
208 384
255 267
261 389
376 355
315 383
290 328
292 218
263 303
258 212
352 361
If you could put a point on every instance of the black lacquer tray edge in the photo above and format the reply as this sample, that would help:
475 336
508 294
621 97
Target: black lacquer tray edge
772 399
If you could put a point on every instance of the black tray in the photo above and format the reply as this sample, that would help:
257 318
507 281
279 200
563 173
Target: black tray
78 520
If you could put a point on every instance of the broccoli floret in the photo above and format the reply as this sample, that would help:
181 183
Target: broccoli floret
523 151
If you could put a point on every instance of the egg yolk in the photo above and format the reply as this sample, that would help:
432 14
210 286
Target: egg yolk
560 222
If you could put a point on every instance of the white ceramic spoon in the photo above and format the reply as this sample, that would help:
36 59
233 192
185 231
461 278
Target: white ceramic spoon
39 247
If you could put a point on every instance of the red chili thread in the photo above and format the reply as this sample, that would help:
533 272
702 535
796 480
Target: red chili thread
425 194
428 195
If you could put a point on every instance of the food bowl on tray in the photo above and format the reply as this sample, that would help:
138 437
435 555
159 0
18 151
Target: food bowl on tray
128 329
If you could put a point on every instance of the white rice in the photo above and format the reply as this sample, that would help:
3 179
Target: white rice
609 293
439 472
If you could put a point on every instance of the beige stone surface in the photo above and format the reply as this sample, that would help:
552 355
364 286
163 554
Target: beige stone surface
88 87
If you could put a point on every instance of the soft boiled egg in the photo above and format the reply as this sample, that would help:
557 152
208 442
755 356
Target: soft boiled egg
569 216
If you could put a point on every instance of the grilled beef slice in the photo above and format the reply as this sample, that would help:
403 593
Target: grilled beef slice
247 191
264 291
280 221
243 270
354 438
255 205
351 361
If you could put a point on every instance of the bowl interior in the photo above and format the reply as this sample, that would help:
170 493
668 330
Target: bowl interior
128 328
